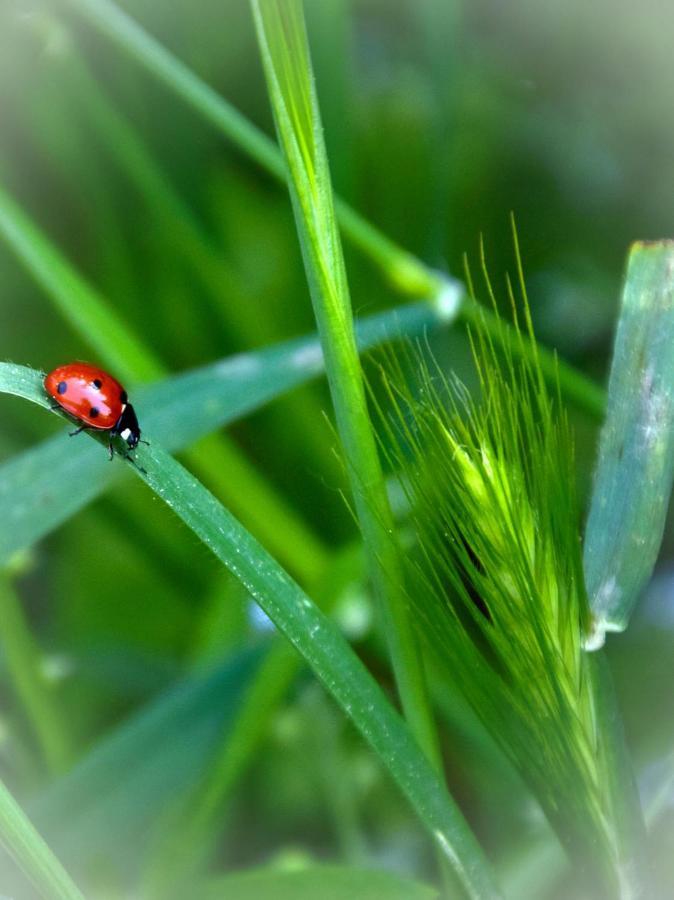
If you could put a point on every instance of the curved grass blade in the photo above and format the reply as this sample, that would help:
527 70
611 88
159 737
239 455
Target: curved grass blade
42 487
317 639
331 658
636 451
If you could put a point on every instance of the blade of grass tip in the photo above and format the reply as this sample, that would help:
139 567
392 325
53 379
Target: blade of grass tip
403 270
23 658
633 481
32 854
285 55
316 638
131 360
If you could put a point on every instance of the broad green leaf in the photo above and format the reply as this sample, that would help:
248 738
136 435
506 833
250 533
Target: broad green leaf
316 881
42 487
106 804
636 451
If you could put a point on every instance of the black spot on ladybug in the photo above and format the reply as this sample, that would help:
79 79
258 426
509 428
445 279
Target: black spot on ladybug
61 387
93 412
97 383
123 397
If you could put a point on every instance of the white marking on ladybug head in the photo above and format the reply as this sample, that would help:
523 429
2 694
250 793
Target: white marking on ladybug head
126 434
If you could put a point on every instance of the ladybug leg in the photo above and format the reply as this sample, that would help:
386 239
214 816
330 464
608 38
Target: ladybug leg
111 449
77 431
133 462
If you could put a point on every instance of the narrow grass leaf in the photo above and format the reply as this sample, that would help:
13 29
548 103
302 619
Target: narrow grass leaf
634 474
23 661
286 60
321 644
29 850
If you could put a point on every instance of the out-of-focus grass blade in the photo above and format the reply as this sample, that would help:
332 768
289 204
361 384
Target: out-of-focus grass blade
75 298
32 854
44 486
326 882
105 805
636 451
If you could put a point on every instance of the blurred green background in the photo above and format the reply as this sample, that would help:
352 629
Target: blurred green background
440 118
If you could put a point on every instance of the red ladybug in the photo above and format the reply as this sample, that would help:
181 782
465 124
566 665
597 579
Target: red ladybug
95 398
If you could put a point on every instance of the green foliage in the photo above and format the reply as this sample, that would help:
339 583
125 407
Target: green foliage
44 486
154 723
633 482
497 582
317 638
285 55
327 882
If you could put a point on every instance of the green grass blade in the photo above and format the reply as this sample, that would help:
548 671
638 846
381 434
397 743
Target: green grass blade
285 55
326 882
332 660
317 639
23 660
43 486
404 271
32 854
174 866
115 795
636 452
77 301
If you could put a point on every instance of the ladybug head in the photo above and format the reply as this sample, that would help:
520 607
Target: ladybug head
127 427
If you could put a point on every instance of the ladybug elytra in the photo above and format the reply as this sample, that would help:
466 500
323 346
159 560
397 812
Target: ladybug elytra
96 399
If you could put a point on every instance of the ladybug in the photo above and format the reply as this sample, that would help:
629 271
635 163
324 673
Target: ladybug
96 399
